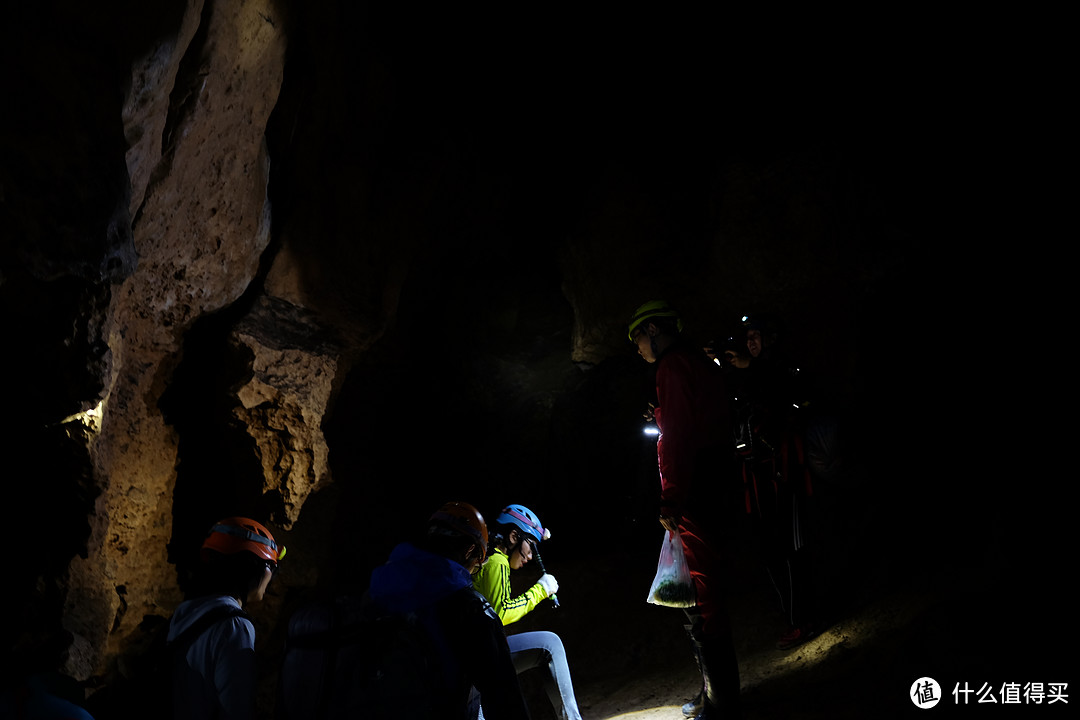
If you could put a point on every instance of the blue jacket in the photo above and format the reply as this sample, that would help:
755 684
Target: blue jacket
413 579
439 592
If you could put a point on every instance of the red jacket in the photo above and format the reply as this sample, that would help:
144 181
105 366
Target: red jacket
695 430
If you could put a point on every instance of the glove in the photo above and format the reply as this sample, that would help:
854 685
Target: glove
549 583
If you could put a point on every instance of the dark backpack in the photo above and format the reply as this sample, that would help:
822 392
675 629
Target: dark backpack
343 660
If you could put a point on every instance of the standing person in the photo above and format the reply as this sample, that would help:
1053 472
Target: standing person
518 533
430 581
214 677
698 490
773 419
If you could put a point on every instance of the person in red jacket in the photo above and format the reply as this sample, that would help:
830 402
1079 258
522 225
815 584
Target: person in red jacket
698 489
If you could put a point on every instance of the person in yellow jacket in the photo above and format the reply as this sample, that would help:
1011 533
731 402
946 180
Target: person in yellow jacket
517 535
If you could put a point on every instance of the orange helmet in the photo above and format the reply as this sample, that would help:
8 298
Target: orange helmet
239 534
465 519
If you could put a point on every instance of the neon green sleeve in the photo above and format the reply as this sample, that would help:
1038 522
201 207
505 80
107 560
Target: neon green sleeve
493 582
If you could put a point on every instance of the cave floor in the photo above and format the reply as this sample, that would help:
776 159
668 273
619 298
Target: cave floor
775 684
631 659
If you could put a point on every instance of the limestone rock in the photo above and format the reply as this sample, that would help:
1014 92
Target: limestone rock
294 368
200 231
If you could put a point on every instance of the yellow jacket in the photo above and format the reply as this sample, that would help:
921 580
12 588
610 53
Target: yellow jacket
493 582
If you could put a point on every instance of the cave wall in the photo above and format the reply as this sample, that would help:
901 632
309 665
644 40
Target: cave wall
319 262
191 86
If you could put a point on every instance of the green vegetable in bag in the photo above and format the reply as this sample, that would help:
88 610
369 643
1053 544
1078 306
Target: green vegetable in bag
672 586
675 594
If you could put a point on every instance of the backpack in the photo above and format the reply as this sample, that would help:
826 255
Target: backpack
343 660
146 689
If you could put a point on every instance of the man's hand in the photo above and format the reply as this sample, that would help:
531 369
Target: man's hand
671 524
735 360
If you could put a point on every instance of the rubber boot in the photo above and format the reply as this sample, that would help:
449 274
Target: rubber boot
721 671
695 706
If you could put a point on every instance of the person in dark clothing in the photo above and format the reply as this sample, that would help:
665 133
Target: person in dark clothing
431 580
698 490
31 688
772 414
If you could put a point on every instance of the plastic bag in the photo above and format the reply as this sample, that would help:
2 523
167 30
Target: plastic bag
672 586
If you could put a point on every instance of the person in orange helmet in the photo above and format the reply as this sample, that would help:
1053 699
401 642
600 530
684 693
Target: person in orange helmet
214 660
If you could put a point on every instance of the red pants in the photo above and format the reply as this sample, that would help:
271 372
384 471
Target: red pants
708 562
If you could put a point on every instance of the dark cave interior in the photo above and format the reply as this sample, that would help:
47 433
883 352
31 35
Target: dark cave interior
467 200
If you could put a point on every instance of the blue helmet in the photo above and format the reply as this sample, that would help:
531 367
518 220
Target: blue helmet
525 520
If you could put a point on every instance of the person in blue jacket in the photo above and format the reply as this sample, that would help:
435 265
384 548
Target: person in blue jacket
430 581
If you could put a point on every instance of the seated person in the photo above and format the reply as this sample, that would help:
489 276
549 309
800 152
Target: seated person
431 581
517 534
